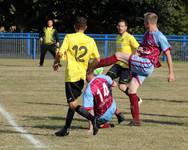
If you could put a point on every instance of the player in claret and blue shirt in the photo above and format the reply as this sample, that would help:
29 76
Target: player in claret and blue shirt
143 64
97 98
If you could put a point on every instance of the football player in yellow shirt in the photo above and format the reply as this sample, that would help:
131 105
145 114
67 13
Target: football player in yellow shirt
77 49
125 43
49 41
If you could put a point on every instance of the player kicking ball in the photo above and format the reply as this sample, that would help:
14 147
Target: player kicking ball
143 64
97 98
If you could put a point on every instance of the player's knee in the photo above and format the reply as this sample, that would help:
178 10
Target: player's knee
132 90
122 87
118 55
133 86
73 105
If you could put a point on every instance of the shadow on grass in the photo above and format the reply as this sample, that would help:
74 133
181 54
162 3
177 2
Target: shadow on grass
35 103
51 118
55 127
164 122
161 122
163 115
155 99
158 115
12 65
44 119
165 100
43 126
16 132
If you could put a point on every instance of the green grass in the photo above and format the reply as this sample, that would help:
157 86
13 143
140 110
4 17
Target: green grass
35 97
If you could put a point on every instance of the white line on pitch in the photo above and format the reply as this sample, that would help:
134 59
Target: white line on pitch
17 128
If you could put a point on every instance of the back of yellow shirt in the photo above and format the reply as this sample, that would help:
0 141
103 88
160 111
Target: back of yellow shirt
126 44
78 48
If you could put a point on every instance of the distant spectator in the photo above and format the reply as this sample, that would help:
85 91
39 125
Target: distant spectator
12 29
49 41
2 29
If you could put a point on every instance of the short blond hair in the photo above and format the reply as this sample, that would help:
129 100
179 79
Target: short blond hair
151 17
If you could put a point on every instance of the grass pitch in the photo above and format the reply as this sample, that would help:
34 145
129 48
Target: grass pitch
35 98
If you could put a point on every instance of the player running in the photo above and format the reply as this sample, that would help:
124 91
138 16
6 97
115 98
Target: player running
143 64
77 49
97 97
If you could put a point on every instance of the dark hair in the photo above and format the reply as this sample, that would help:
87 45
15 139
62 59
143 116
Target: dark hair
90 70
80 22
123 20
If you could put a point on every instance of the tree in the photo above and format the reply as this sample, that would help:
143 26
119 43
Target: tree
102 15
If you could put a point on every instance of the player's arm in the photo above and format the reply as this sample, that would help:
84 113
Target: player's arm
171 76
60 53
56 38
57 60
134 44
88 103
41 35
165 46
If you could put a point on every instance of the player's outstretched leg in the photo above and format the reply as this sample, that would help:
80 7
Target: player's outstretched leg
107 61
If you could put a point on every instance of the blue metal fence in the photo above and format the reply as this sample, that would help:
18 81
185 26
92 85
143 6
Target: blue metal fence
27 45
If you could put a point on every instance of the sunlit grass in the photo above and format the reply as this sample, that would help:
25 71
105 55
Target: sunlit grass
35 97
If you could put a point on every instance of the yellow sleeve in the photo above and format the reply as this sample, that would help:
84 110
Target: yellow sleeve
64 48
133 42
95 52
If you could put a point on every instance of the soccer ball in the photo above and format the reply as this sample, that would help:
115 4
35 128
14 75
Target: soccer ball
98 71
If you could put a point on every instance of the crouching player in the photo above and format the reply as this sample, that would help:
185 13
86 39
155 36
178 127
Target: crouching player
97 98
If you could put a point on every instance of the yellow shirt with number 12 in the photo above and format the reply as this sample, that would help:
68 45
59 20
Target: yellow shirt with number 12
77 49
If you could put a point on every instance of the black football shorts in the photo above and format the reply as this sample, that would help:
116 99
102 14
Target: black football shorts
73 90
116 71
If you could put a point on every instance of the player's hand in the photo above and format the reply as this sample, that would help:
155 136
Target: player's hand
57 44
140 49
57 50
171 77
137 53
41 40
56 66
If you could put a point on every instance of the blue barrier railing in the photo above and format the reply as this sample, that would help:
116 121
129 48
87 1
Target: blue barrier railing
31 42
